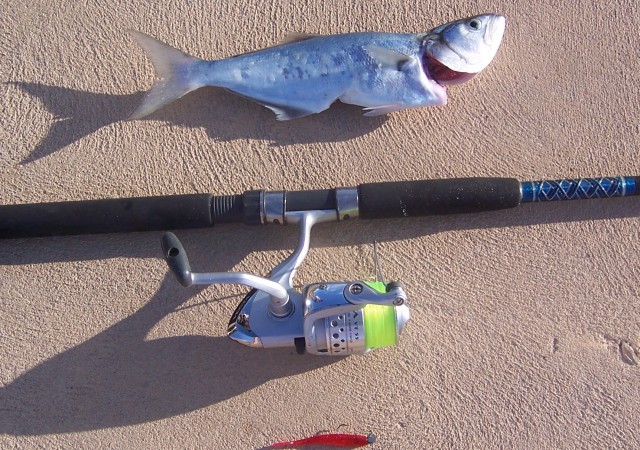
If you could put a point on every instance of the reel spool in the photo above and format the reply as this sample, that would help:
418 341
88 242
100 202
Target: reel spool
337 318
329 330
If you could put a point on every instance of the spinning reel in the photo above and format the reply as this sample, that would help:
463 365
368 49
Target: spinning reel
337 318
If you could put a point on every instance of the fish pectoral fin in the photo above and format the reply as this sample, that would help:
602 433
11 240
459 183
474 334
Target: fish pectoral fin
297 37
388 58
383 109
287 112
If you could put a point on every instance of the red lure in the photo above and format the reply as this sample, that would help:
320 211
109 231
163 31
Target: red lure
335 440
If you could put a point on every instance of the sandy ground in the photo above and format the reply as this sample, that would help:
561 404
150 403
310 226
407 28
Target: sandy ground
525 329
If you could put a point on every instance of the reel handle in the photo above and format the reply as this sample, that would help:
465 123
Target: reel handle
176 258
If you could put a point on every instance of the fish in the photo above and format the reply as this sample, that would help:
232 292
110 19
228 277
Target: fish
306 74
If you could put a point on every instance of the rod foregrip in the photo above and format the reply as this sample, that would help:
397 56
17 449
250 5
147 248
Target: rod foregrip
430 197
110 215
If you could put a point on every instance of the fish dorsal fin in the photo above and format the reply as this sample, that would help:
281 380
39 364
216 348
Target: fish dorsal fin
387 58
297 37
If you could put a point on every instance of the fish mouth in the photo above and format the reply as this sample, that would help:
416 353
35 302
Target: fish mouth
437 70
442 74
439 85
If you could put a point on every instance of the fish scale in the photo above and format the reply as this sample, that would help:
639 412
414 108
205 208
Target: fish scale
310 74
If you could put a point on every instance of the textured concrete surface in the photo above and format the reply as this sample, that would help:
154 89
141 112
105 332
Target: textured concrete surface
525 328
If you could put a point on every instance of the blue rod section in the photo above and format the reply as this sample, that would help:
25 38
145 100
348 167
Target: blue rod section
578 189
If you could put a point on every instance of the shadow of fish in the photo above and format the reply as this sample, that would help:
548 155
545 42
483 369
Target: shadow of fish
382 72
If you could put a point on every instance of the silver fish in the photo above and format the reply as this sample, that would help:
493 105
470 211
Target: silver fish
383 72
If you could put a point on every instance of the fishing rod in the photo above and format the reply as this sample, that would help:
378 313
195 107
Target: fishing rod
330 318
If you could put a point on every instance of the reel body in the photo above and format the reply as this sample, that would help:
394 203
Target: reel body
333 318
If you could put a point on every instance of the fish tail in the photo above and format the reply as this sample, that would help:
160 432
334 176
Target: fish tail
174 77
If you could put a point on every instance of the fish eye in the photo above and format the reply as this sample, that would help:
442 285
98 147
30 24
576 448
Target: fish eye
475 24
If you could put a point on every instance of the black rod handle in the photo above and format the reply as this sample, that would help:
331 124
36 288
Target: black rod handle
428 197
106 216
